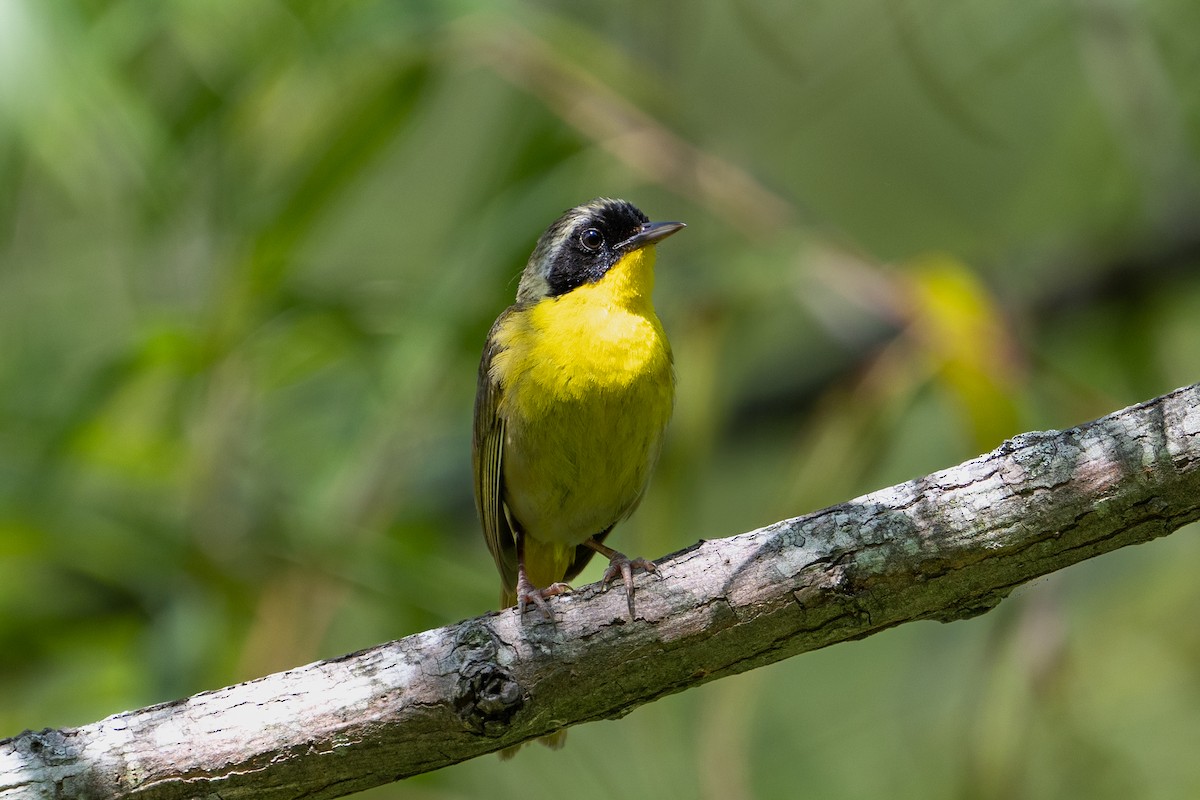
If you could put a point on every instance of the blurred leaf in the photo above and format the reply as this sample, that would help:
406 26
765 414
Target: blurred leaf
966 338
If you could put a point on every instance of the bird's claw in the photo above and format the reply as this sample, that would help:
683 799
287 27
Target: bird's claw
527 592
621 566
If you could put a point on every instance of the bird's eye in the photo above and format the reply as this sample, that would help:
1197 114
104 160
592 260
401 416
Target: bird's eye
591 239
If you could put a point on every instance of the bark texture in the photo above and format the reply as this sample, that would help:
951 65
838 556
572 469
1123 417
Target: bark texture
946 546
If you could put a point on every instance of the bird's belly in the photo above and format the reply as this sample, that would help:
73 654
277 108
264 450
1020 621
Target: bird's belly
577 459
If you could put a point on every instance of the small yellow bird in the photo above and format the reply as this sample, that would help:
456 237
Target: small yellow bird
576 386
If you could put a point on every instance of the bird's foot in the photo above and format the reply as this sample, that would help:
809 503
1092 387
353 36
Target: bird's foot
621 566
527 592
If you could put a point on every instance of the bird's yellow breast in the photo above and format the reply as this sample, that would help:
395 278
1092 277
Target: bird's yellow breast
587 388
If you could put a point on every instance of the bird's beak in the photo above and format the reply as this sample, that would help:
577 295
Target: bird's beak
650 233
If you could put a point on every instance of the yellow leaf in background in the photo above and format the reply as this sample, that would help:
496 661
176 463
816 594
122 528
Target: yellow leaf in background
961 330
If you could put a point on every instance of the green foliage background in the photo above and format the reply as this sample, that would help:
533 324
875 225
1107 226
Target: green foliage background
249 252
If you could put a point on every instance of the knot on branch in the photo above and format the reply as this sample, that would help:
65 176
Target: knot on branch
486 695
47 746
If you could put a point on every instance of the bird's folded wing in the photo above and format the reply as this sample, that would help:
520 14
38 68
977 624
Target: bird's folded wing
488 458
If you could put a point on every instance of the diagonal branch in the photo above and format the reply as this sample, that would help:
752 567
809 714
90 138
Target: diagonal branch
946 546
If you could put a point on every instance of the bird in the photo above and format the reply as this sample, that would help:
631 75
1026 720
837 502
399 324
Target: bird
576 386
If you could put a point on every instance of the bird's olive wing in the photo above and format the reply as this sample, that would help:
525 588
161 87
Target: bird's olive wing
488 460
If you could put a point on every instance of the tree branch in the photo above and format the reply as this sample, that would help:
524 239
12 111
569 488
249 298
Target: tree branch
946 546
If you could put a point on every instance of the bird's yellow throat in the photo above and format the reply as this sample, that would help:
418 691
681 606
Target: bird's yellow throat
600 334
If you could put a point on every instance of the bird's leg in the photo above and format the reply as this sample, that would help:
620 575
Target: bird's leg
527 591
620 565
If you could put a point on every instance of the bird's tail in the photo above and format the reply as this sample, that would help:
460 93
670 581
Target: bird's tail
554 741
